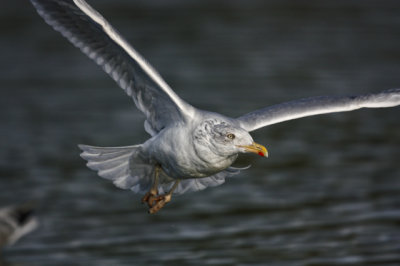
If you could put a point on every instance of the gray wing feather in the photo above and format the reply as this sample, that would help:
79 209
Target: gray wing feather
317 105
197 184
88 30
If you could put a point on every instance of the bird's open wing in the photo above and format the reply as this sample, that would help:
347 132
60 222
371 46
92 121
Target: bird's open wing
88 30
317 105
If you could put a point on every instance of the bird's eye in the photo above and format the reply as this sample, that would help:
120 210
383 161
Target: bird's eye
230 136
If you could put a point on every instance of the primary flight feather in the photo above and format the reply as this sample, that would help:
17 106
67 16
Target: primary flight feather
190 149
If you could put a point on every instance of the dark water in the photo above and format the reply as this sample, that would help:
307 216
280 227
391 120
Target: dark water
328 195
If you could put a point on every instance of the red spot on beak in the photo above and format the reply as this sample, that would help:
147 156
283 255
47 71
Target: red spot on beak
261 154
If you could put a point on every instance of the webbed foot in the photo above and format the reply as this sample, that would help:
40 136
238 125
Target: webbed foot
157 202
160 202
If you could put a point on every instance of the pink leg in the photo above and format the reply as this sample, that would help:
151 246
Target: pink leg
150 196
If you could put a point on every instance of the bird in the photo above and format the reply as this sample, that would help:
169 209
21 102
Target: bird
189 149
15 222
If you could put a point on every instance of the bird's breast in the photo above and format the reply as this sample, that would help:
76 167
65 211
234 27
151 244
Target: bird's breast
175 152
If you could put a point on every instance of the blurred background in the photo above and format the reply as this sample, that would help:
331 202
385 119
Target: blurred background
328 195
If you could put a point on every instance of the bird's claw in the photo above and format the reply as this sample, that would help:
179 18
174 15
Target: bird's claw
150 196
160 202
157 202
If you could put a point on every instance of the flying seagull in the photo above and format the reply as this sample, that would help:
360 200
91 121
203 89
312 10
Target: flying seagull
189 149
15 222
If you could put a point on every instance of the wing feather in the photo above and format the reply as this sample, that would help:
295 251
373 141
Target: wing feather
88 30
315 106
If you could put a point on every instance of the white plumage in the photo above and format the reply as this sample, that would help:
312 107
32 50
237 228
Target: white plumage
192 146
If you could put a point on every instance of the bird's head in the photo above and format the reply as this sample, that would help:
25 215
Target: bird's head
225 139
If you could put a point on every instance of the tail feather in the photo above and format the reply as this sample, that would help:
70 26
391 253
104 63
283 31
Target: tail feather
106 163
127 181
94 157
105 150
104 153
122 165
108 172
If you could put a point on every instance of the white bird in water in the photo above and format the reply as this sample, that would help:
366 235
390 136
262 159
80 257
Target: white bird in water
189 149
15 222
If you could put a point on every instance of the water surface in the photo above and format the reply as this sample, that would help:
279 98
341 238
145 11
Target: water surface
328 195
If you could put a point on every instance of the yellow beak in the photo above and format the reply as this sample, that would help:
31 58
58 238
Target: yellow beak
255 148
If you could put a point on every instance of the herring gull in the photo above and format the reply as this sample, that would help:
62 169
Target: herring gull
189 149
